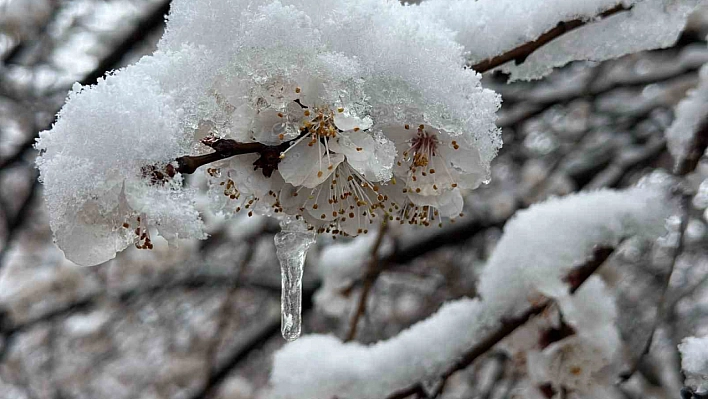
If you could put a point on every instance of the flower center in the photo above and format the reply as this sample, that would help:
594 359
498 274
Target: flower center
142 232
320 123
346 204
423 147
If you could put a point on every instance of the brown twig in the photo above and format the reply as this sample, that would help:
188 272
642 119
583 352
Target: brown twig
575 279
519 54
372 274
226 148
224 311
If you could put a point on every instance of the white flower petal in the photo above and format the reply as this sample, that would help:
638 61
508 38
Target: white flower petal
268 126
357 146
346 121
449 203
299 162
370 155
323 169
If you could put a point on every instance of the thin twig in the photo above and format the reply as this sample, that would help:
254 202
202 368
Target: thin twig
612 175
519 54
270 329
226 148
372 274
15 223
224 311
662 305
575 279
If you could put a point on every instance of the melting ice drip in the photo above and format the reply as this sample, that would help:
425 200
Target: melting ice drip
291 244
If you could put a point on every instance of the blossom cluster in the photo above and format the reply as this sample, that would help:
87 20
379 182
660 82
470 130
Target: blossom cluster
367 102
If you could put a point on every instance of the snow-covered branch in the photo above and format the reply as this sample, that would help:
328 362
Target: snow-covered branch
490 28
539 251
508 325
519 54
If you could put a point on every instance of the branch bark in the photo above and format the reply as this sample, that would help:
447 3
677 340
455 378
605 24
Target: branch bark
226 148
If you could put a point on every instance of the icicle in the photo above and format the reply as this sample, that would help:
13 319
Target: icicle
291 246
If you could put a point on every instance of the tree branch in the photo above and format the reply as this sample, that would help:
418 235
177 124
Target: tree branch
225 308
519 54
227 148
372 274
575 279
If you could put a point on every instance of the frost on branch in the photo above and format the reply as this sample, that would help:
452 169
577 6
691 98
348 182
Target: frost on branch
490 28
344 113
694 362
539 249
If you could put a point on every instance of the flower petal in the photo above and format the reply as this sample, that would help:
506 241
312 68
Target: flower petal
346 121
299 163
322 170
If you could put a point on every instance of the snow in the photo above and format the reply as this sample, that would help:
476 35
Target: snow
539 247
490 28
321 366
542 244
694 361
92 159
392 61
690 113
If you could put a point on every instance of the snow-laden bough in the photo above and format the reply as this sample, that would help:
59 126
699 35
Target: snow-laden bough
590 30
540 247
344 114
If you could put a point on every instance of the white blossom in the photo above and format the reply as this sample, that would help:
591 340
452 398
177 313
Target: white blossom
323 82
576 362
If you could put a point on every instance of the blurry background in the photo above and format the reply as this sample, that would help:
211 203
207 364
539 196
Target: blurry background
202 320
